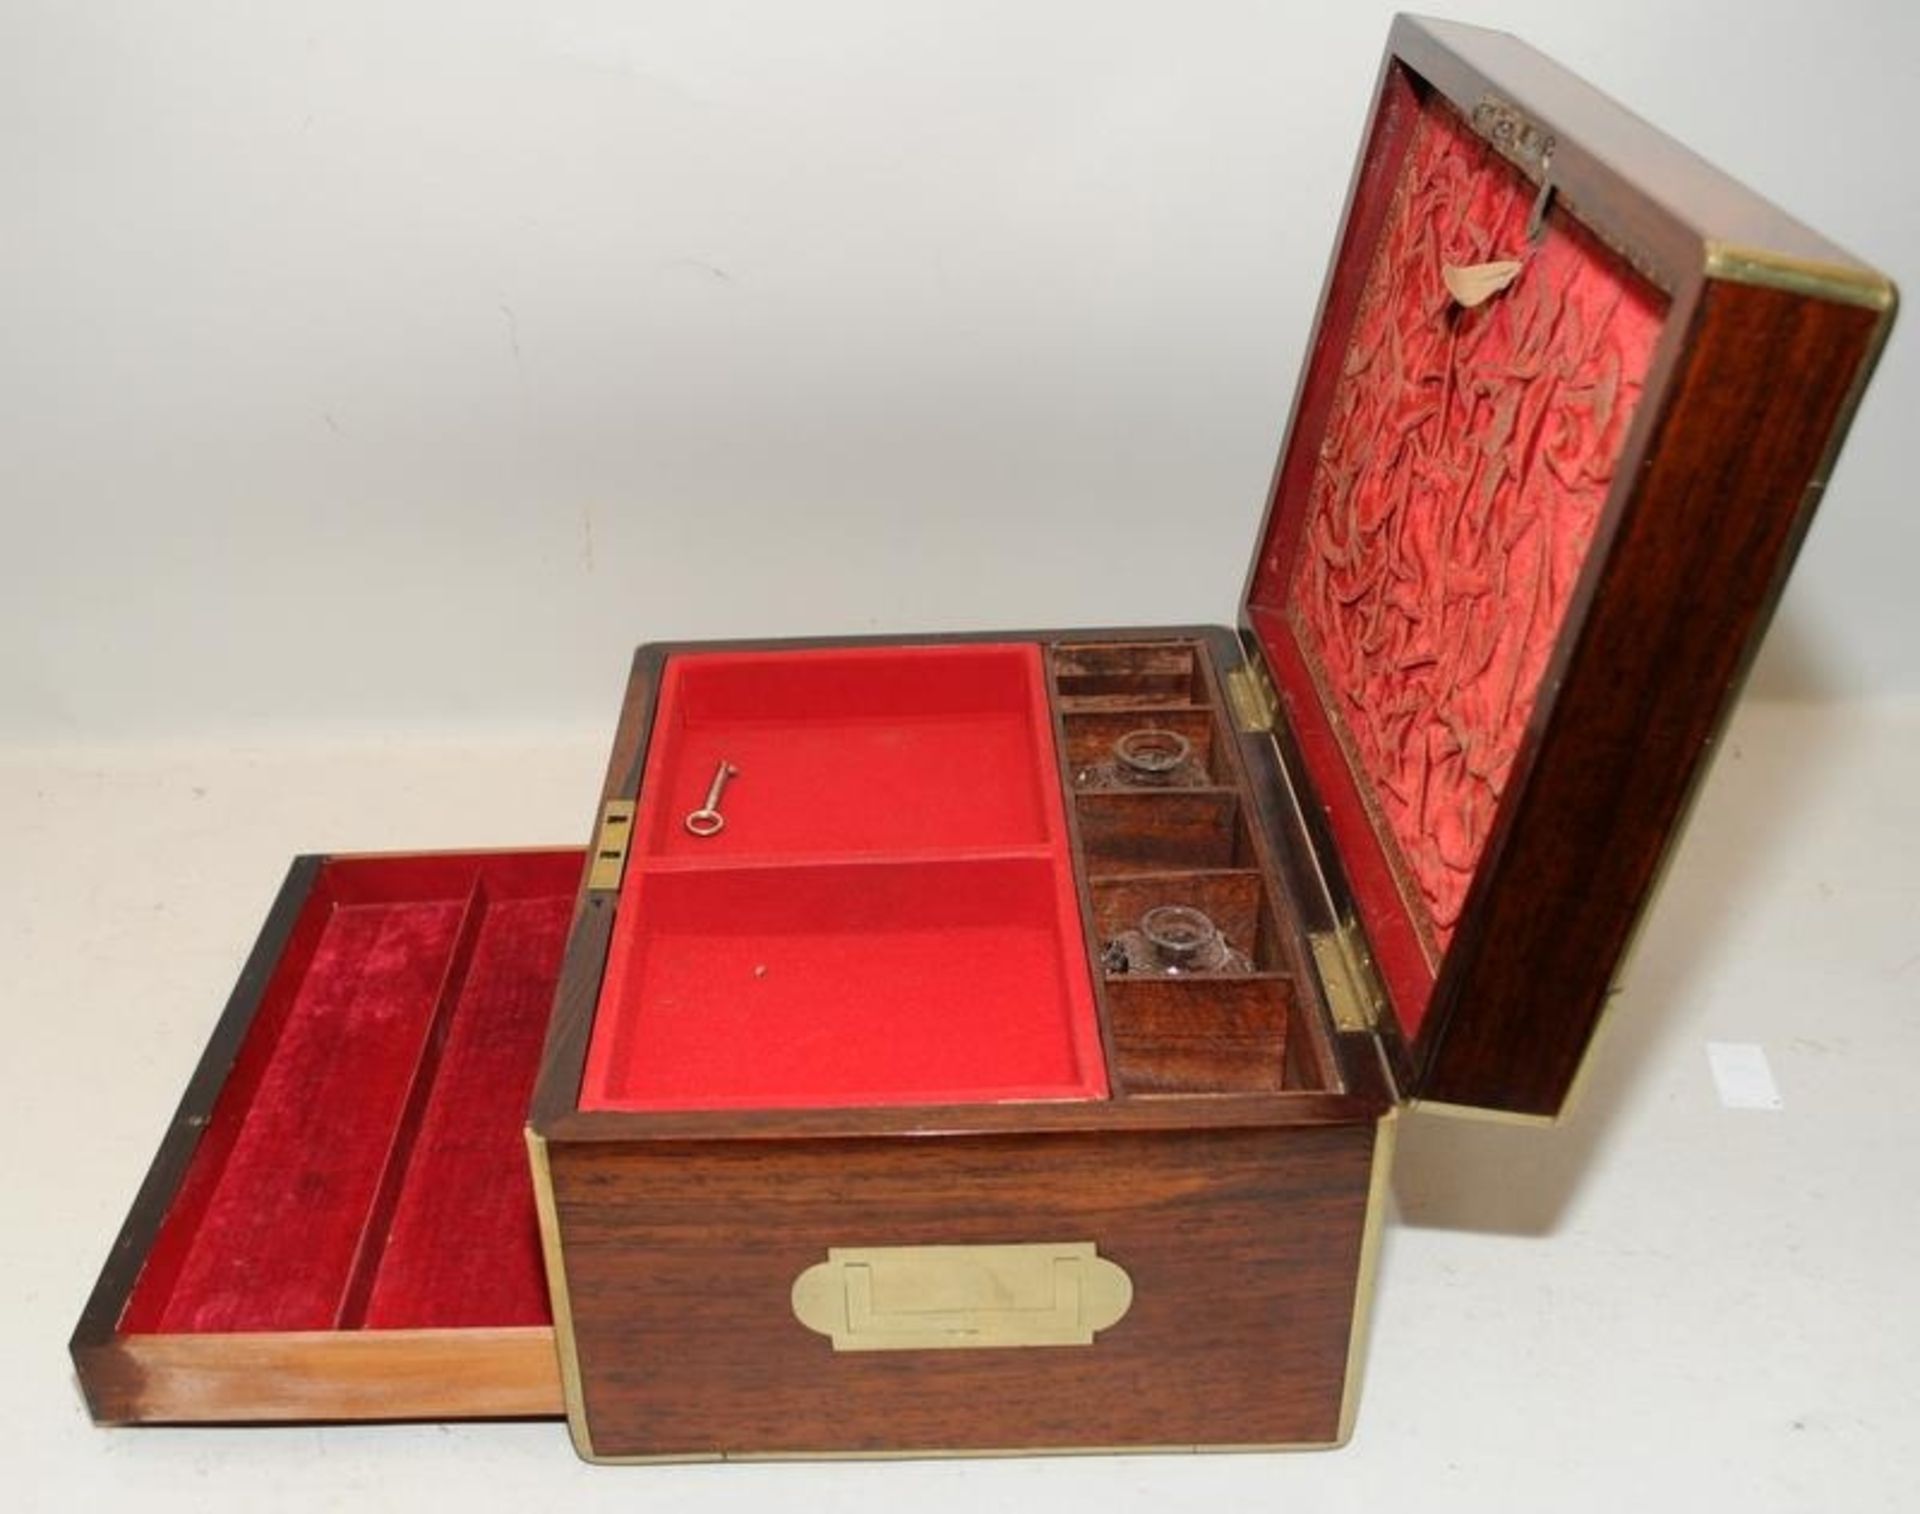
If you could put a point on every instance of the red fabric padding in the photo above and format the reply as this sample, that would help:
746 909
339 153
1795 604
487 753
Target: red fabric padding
274 1246
364 1163
1432 525
889 915
851 751
847 984
467 1181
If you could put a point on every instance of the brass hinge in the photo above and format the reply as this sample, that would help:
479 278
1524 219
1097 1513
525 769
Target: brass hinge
1347 975
609 864
1250 692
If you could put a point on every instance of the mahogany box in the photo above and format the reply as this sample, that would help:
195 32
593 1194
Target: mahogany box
934 1025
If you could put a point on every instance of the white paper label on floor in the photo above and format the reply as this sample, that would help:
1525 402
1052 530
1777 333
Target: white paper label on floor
1741 1073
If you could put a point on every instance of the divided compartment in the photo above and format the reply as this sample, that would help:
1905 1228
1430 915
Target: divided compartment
345 1227
1158 828
1128 674
888 914
1199 1032
850 751
846 985
1175 830
1235 900
1184 841
1114 750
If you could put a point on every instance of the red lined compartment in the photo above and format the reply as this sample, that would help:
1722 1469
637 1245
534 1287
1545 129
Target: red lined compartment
851 751
467 1178
889 915
1432 520
364 1165
862 983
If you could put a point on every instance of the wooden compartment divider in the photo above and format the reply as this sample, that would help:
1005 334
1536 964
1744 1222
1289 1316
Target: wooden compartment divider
1200 1035
371 1249
1156 831
339 1247
1179 844
1128 675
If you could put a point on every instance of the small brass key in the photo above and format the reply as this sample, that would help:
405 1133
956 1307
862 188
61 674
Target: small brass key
707 820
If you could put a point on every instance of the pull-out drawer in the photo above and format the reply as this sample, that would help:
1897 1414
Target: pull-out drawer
340 1222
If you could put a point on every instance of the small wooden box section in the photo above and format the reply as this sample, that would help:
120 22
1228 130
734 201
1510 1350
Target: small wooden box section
340 1222
888 912
1215 1156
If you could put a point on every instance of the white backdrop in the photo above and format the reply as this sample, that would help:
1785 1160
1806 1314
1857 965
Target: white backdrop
395 367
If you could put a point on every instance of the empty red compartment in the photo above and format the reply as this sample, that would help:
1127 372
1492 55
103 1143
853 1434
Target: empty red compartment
847 984
364 1166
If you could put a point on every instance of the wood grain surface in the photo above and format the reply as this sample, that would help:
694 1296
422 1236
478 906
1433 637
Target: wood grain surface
1243 1248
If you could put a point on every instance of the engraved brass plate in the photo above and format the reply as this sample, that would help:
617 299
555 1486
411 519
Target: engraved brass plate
945 1298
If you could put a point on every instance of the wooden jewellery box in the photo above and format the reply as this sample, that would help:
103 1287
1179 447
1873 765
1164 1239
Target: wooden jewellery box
1013 1062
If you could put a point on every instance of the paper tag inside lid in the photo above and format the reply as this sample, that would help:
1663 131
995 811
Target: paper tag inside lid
1473 284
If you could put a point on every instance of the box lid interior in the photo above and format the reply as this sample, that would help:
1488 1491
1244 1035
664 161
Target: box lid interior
341 1222
1440 512
1571 399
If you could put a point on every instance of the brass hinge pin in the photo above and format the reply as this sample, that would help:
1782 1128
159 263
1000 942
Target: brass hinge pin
1250 692
1347 977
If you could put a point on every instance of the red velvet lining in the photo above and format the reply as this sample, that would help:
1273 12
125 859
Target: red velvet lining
1436 511
468 1178
364 1164
864 983
889 915
850 751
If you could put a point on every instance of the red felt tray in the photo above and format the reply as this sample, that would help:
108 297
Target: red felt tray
364 1166
889 915
854 751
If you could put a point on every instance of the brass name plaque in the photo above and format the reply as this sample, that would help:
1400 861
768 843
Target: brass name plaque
945 1298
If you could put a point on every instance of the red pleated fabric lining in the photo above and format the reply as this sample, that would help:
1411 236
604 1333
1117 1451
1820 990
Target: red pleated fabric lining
1428 542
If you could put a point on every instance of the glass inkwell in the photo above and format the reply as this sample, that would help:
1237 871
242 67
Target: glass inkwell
1173 941
1147 758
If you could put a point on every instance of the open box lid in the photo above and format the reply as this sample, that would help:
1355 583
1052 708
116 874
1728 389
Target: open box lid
1519 552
